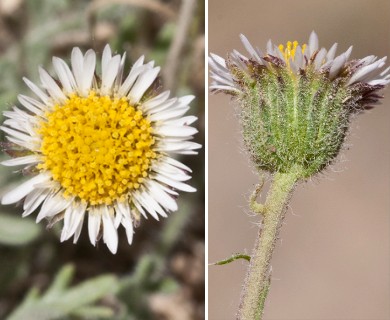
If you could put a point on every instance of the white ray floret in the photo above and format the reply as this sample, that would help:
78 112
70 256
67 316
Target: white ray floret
367 70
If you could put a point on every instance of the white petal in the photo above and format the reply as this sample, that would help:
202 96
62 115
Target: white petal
365 72
16 134
239 59
119 77
110 234
161 196
51 86
249 48
147 205
94 221
88 71
108 77
171 172
128 224
337 64
124 210
168 114
219 60
279 54
224 88
31 145
77 65
177 146
78 229
153 204
299 61
138 63
221 80
313 43
74 215
185 121
33 200
130 80
21 160
348 52
22 125
270 48
381 82
171 103
31 104
139 207
53 204
157 100
43 96
106 57
319 60
177 164
32 197
117 219
331 53
24 189
70 218
175 184
67 216
77 222
385 72
142 84
175 131
64 74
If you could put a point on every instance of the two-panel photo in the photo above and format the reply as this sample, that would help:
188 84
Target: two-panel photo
194 160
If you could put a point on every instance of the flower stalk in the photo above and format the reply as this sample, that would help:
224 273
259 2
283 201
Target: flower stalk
257 281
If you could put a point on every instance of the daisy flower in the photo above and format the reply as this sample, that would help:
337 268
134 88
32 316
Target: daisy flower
99 146
296 101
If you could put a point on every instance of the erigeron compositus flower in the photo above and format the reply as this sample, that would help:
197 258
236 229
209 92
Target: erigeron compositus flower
99 146
296 101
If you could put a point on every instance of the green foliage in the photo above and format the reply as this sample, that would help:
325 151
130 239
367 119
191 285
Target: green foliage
234 257
59 301
15 231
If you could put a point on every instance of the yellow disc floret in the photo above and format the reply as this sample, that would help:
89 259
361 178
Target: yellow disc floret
97 147
290 50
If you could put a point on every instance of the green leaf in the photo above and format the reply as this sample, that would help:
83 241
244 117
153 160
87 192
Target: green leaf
94 312
231 259
61 281
16 231
59 302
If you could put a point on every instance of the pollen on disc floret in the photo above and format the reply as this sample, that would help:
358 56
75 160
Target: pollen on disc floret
97 147
290 49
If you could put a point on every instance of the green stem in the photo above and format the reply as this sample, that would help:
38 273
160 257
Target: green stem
257 281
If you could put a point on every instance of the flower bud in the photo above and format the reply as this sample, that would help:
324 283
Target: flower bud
295 103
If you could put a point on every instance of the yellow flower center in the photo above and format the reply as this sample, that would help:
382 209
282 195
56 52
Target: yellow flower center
98 148
289 51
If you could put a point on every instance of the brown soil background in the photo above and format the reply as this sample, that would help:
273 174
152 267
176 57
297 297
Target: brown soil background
332 260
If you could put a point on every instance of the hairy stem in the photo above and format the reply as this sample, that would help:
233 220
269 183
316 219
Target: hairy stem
258 278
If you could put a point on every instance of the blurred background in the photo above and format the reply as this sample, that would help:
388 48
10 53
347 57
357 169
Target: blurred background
332 260
161 276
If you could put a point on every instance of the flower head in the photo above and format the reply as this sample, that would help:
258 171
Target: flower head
296 101
99 146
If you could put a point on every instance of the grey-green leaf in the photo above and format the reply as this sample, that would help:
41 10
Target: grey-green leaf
15 231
